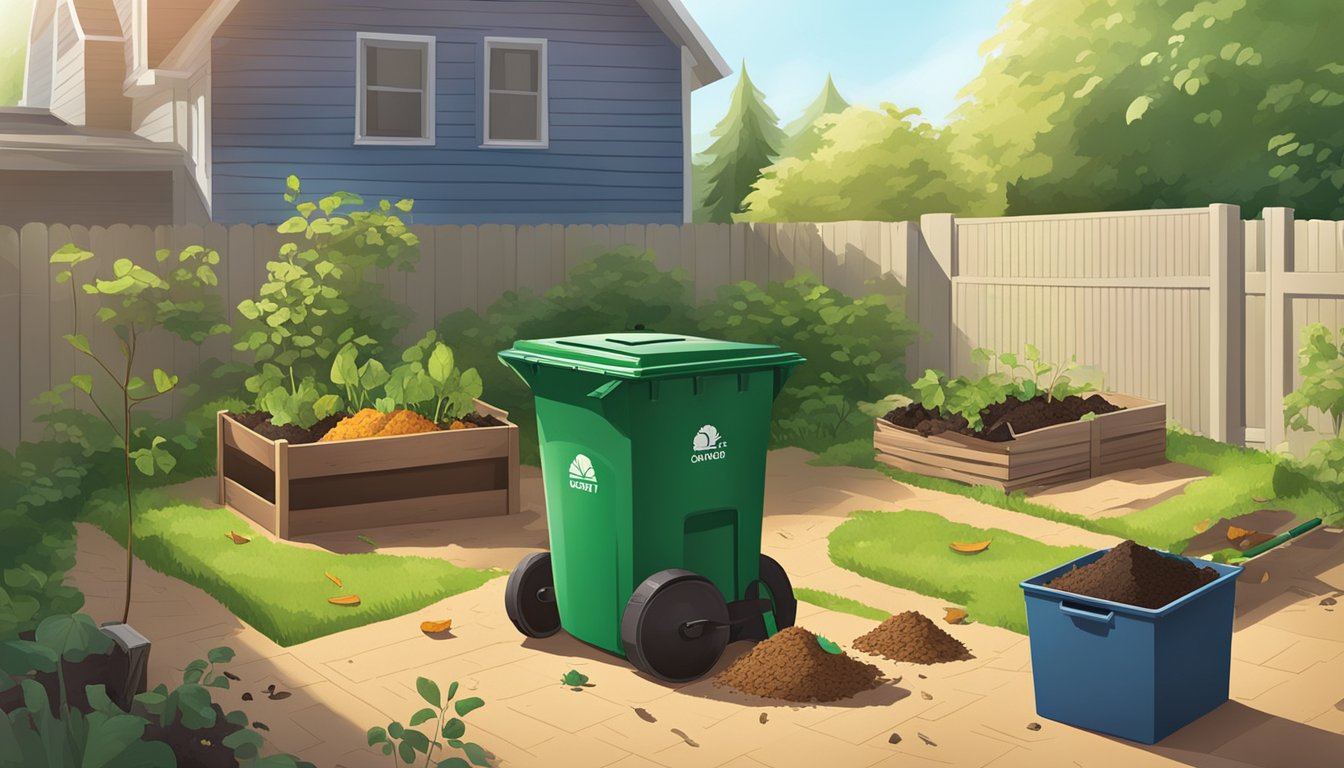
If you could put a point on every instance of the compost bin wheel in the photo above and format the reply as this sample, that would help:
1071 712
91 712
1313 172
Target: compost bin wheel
654 628
529 596
781 592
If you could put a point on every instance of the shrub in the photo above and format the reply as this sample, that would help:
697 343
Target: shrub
1321 365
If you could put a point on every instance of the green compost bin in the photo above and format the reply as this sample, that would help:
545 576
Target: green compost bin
653 450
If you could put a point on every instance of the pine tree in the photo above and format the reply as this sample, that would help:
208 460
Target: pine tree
803 135
747 140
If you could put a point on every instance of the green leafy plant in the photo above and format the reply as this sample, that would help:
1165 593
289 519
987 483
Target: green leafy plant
573 679
1321 366
360 382
106 737
429 382
319 297
406 742
135 303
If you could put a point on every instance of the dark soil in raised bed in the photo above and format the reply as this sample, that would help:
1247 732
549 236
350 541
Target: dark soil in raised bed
478 420
1135 575
1022 416
260 422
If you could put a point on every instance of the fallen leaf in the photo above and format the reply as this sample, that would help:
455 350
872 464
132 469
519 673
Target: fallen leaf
689 741
333 579
1033 726
344 600
644 715
1234 533
764 717
786 534
969 548
925 695
260 726
923 676
232 676
367 540
828 645
279 695
926 739
236 539
435 627
1203 525
270 688
954 615
1264 577
894 738
1328 601
247 696
897 681
1260 499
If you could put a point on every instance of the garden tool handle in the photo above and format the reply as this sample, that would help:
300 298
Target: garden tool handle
1085 613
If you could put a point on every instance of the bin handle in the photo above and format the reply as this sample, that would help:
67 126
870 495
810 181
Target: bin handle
1084 613
606 389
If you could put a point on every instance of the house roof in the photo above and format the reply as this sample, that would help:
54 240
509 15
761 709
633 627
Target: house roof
670 16
35 140
678 24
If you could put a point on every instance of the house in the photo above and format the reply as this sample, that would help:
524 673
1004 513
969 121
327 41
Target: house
507 111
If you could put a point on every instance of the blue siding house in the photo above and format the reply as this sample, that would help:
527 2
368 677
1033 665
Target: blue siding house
504 111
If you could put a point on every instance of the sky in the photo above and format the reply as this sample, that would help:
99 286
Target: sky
913 53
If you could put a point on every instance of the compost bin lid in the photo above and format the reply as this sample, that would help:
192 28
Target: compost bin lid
650 355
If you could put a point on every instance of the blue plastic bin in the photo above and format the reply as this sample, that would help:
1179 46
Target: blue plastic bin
1137 673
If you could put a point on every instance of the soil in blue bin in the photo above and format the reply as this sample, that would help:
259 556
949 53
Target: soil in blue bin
1135 575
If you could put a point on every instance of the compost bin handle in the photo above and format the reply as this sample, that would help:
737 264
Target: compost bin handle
1084 613
606 389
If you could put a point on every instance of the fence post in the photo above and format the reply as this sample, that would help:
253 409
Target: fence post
931 267
1278 325
1227 324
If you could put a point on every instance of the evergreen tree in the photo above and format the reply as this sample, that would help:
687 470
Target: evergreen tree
747 140
804 135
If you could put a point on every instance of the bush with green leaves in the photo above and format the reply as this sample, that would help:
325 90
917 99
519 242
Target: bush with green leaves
320 295
1321 365
405 742
137 304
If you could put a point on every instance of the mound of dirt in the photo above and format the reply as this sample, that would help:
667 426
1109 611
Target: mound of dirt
1135 575
1021 415
792 666
260 422
912 636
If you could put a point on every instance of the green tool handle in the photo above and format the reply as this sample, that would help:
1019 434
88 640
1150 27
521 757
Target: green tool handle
1282 537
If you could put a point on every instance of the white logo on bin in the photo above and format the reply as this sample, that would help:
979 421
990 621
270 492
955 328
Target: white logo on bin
708 445
582 476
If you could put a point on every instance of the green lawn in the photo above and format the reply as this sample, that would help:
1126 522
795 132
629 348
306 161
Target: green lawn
909 549
280 589
834 602
1238 477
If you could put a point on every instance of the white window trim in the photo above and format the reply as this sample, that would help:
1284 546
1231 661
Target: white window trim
431 86
543 94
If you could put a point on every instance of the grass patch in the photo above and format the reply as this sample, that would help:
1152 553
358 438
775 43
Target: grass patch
278 588
833 602
1238 476
909 549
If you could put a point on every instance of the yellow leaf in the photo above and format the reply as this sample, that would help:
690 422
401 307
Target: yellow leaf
334 580
236 539
954 615
1203 525
969 548
344 600
1264 577
435 627
1234 533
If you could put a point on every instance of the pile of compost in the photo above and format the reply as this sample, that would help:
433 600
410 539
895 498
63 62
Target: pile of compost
792 666
912 636
366 423
1135 575
1021 415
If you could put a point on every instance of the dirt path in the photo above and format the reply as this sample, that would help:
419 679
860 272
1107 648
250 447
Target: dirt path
1287 651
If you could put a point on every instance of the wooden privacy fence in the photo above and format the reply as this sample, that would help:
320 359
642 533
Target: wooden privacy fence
461 267
1193 307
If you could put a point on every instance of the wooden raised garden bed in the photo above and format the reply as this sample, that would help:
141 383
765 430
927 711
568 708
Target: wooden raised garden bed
346 485
1133 437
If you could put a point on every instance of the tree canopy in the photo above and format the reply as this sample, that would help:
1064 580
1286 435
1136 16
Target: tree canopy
803 135
746 140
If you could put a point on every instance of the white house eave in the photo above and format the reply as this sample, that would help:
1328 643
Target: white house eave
678 24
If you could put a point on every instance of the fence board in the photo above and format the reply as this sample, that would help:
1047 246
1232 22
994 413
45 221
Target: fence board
238 268
10 338
448 293
420 288
35 337
60 312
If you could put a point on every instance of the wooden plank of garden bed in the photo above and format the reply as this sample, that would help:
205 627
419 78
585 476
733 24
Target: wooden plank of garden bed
1112 429
247 441
342 457
248 504
898 438
423 509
